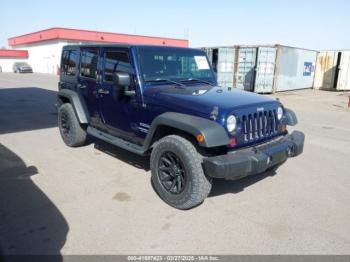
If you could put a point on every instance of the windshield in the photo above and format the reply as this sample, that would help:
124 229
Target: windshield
175 64
21 64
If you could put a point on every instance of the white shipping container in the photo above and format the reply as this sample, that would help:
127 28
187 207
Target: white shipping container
295 68
333 70
222 60
343 82
326 65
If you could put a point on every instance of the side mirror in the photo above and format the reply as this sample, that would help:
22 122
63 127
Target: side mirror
124 80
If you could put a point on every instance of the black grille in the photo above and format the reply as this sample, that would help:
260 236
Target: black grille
259 125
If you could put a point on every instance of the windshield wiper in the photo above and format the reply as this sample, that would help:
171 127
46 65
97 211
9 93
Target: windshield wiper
199 80
166 80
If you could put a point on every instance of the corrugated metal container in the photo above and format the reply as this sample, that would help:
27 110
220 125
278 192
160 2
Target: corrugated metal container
245 68
265 69
294 68
326 67
222 59
343 82
333 70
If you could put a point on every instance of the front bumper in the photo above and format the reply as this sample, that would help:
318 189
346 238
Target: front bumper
256 159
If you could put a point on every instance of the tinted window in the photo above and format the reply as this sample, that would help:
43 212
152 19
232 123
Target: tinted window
115 61
89 59
69 62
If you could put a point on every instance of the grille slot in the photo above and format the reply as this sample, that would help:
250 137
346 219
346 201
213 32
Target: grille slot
259 125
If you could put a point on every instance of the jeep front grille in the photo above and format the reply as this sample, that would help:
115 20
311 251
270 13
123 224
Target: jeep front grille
259 125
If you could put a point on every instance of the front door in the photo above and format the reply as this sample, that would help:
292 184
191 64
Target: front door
118 111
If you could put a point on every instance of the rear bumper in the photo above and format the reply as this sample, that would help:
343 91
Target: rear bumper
254 160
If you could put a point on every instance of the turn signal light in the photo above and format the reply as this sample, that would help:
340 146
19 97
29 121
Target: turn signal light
200 138
233 142
283 128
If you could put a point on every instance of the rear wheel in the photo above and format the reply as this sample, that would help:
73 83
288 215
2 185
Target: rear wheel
72 133
177 173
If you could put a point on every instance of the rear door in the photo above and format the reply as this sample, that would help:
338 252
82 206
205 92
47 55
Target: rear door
89 82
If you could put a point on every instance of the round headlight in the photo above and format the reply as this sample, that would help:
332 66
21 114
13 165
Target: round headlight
279 113
231 123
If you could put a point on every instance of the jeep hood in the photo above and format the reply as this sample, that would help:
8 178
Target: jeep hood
201 100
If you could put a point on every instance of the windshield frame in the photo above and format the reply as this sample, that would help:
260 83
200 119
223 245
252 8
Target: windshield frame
148 82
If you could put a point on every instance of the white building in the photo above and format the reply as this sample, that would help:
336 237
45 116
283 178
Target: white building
44 47
8 57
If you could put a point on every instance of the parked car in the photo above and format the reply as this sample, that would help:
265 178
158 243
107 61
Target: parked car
22 67
165 102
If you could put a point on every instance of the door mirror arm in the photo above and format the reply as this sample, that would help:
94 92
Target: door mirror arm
124 80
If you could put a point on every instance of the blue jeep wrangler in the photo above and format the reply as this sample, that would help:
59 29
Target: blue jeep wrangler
164 101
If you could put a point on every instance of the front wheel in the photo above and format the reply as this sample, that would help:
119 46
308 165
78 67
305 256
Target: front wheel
177 173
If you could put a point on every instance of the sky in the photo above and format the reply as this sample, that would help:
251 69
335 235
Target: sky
312 24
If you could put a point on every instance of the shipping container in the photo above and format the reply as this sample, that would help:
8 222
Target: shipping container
264 68
245 68
343 81
295 68
222 60
333 70
326 70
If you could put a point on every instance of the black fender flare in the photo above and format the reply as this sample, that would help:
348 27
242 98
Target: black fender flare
78 104
214 134
291 117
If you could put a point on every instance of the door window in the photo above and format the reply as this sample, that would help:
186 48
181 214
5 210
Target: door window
89 60
115 61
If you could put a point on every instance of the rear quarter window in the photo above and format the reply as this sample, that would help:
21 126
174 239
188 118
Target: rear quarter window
69 62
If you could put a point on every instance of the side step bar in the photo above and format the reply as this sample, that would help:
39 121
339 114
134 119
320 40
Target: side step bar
116 141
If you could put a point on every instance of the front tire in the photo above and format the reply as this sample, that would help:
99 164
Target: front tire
72 133
177 173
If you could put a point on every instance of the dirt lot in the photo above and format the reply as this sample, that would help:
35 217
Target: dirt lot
99 200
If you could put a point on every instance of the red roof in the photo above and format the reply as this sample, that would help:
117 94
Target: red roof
93 36
13 53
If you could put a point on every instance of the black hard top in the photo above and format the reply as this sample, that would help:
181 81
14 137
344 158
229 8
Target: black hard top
70 47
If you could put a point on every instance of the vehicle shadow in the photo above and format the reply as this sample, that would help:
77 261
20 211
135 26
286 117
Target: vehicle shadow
140 162
222 186
27 108
30 224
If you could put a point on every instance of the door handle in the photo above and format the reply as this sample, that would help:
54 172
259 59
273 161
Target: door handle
103 91
81 86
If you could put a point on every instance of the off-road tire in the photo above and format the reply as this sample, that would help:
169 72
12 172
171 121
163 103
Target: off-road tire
71 132
197 186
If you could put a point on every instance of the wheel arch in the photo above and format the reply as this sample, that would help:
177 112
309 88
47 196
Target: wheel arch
69 96
169 123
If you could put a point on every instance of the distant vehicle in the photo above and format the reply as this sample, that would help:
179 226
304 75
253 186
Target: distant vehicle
22 67
0 69
164 102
